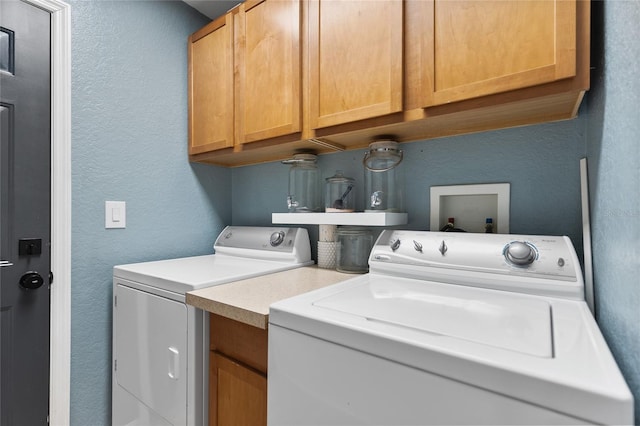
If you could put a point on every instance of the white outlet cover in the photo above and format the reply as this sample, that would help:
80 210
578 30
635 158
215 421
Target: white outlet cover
115 214
470 205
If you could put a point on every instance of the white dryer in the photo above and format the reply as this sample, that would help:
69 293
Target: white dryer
160 344
447 328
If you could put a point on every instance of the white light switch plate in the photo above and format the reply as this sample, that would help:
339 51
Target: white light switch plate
115 214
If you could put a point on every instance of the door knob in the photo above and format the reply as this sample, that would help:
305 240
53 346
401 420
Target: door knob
31 280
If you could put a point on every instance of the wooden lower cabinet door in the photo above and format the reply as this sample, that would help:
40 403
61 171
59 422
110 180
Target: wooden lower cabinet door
237 394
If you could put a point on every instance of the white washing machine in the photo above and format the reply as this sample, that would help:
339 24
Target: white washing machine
447 328
160 344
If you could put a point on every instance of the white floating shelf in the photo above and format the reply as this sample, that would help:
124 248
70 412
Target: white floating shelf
358 218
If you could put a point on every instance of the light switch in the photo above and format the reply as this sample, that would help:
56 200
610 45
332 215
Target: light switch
115 214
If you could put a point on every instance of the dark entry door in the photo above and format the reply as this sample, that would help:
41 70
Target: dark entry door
24 213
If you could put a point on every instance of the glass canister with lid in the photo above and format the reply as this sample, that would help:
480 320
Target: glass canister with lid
304 184
339 192
383 179
353 249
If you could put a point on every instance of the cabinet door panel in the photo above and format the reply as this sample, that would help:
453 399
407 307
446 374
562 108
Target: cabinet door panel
211 87
238 394
487 47
355 50
268 60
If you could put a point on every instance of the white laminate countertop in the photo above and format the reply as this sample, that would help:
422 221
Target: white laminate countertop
248 301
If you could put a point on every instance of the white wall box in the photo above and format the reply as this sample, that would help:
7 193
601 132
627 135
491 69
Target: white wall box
470 205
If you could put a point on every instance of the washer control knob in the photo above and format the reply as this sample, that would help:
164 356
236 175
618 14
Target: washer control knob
520 253
277 238
417 245
443 248
395 245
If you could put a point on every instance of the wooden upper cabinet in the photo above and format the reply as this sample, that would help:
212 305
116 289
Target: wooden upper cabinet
211 86
485 47
273 77
268 83
355 60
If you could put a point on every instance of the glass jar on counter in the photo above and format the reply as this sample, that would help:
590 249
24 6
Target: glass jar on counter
354 247
304 184
339 191
383 180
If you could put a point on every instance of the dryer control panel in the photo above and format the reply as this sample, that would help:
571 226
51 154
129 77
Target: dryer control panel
265 242
533 264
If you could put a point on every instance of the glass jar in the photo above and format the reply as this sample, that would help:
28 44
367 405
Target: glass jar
304 184
383 180
354 247
338 196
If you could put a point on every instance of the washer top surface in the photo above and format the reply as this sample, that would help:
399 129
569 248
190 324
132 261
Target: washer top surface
461 323
496 319
241 253
191 273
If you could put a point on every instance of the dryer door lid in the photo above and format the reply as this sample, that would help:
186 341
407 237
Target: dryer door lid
151 351
499 319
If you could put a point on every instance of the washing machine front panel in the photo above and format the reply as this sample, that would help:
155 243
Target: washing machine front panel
151 351
340 386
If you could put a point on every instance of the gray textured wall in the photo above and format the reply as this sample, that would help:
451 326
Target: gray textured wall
540 162
613 147
129 143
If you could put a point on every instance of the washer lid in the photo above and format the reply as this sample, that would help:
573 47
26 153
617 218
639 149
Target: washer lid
507 321
191 273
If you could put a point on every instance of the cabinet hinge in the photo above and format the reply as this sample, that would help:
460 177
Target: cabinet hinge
115 365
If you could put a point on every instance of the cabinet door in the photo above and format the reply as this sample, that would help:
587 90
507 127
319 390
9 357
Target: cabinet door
355 60
493 46
268 60
237 393
211 86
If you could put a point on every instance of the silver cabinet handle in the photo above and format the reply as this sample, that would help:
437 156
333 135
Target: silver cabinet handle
4 263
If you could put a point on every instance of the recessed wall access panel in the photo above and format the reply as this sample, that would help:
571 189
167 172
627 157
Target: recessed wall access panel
470 206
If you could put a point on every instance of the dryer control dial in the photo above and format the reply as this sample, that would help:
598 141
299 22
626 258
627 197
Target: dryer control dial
520 253
277 238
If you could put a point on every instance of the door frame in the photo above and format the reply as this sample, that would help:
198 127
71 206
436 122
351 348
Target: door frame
60 325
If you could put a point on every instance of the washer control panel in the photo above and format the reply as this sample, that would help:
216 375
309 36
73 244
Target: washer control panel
551 257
